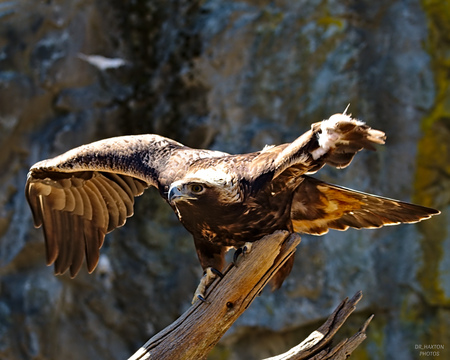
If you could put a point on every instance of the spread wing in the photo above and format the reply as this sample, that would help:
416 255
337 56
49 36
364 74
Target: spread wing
318 206
87 192
334 142
76 210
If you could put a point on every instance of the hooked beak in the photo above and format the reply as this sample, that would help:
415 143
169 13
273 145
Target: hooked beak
176 194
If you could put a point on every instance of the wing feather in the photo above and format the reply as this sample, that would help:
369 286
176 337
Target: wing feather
334 141
100 214
124 198
111 208
86 202
119 201
83 194
65 245
51 243
79 205
69 200
78 247
123 188
93 240
318 206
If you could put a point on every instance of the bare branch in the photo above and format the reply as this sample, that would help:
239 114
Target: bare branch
316 345
197 331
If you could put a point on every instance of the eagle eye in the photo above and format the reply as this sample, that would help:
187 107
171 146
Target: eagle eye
196 188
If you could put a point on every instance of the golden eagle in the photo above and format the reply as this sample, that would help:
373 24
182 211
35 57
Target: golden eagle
223 200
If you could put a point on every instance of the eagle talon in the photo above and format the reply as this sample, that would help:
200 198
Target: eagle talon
217 272
244 250
236 255
207 279
202 299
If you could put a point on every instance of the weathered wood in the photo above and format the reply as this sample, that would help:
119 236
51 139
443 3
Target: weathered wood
317 345
199 329
344 349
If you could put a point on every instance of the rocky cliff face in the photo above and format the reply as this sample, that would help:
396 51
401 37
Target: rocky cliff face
232 76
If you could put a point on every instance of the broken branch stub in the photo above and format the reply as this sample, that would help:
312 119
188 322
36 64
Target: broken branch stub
317 345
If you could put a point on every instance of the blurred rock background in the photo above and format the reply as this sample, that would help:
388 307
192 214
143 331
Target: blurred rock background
234 76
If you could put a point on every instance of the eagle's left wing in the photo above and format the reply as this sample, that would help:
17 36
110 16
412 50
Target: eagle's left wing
318 206
334 141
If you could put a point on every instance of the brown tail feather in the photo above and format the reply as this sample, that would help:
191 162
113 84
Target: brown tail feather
282 273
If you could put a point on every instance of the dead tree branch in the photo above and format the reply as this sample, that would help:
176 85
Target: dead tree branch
317 345
197 331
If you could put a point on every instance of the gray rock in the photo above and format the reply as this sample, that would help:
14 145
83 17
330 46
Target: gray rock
233 76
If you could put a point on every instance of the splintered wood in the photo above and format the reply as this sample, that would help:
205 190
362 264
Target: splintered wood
197 331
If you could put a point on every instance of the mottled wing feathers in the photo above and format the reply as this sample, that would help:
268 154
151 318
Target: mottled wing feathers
87 192
144 157
318 206
334 141
77 211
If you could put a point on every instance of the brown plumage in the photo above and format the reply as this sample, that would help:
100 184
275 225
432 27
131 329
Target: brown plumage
223 200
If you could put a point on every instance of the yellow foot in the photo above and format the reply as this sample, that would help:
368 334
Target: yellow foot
244 250
210 275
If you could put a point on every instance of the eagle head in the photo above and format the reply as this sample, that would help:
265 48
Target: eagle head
206 184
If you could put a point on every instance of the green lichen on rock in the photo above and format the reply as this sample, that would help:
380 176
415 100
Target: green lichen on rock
327 21
434 152
432 184
433 161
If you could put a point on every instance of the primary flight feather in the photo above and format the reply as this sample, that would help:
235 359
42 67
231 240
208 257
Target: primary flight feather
223 200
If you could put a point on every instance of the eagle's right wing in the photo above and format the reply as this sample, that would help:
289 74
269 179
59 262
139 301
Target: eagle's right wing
87 192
